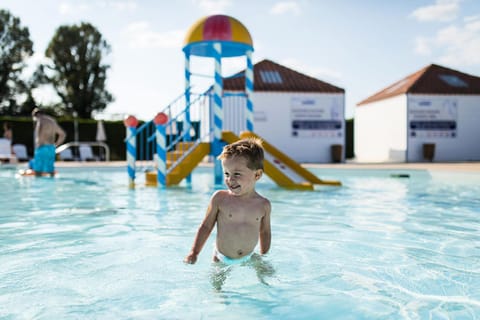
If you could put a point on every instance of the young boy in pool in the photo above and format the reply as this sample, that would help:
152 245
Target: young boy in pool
241 215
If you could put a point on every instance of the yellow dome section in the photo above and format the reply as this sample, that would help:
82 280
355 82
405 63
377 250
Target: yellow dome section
240 33
195 33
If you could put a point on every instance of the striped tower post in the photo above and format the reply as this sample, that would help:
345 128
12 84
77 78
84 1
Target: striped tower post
249 90
131 124
217 113
187 105
187 97
160 121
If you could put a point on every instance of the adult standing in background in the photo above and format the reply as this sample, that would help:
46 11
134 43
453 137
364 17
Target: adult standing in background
48 135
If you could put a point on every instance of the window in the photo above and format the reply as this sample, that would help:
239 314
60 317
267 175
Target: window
270 77
453 81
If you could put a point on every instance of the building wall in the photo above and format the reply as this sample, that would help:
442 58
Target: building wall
451 122
380 131
302 125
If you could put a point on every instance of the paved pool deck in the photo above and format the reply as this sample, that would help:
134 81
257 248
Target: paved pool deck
430 166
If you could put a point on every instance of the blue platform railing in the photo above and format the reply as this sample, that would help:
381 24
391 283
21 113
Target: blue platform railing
186 123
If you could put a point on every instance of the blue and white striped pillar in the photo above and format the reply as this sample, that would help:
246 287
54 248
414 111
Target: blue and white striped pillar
187 123
249 90
160 122
131 124
161 156
217 113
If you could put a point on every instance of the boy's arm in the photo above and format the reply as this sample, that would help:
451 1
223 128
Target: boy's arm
204 230
265 230
36 134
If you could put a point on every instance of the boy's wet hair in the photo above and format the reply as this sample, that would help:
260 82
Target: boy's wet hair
250 149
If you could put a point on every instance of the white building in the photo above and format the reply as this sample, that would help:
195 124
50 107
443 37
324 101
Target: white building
300 115
433 107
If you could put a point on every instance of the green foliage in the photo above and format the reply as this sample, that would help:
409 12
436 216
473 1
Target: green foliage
15 47
76 70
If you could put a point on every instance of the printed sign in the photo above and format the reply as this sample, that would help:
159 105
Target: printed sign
316 117
433 118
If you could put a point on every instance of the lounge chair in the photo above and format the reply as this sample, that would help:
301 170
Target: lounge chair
86 153
66 155
5 150
20 151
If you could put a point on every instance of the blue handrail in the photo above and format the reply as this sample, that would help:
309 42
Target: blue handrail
176 127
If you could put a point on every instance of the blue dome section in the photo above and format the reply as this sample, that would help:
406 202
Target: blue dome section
205 49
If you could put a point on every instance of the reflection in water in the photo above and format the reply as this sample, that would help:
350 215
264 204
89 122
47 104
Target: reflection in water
262 267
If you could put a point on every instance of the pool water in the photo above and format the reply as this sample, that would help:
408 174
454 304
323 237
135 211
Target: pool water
84 246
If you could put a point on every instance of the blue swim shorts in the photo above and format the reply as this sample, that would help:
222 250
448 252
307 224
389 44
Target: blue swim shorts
229 261
44 159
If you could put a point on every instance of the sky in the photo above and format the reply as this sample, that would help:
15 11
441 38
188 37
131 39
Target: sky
360 46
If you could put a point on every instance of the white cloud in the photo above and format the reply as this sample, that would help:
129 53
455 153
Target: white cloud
422 46
213 6
120 5
472 23
442 10
454 45
75 8
67 8
285 7
139 35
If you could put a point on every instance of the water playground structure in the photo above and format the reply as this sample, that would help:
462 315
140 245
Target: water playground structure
191 127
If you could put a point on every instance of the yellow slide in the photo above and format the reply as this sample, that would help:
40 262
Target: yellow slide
282 169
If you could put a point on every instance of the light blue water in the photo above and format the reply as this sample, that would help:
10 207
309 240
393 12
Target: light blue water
84 246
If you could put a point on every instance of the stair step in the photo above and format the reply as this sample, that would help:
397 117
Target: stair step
174 155
182 146
185 166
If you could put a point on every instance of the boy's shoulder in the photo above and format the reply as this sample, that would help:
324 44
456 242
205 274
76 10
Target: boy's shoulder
265 202
220 194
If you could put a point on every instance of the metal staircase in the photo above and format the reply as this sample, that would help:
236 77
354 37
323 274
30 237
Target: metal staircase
188 133
180 162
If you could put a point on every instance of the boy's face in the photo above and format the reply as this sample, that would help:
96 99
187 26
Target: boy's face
238 177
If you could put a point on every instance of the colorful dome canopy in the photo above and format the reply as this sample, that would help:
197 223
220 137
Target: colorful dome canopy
230 32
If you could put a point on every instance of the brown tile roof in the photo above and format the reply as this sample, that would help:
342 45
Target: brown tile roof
432 79
270 76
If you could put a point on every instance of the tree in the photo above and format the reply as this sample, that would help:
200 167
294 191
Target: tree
15 48
75 69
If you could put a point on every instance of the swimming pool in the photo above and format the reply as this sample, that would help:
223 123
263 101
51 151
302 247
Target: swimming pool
82 245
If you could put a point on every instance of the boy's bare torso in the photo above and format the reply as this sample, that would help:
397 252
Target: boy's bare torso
238 223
